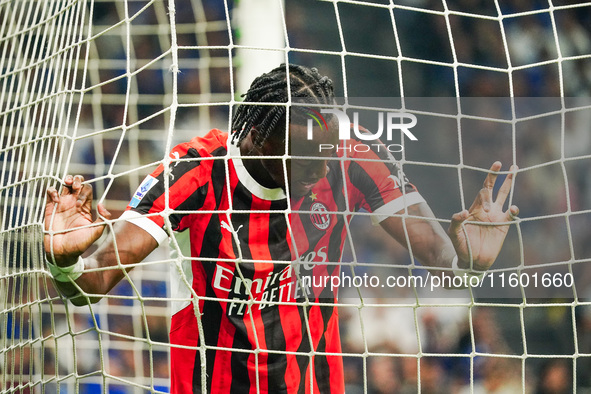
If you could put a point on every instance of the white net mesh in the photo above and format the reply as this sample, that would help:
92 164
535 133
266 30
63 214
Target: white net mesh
106 88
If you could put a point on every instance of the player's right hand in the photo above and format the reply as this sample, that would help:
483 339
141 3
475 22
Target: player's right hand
478 233
66 216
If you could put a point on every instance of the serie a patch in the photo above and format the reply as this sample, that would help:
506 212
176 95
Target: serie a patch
141 191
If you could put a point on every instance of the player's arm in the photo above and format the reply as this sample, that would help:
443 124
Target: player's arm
426 238
66 239
475 235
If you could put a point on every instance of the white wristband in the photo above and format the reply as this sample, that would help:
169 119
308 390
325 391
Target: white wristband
66 274
461 271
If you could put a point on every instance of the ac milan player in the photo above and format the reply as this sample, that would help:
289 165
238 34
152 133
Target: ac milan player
228 194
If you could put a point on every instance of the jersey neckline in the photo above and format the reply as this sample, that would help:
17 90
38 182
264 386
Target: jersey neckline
251 184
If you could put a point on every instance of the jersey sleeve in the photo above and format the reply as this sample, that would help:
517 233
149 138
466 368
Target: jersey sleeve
379 180
189 180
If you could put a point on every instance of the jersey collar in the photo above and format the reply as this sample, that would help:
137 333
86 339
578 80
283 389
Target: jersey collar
248 181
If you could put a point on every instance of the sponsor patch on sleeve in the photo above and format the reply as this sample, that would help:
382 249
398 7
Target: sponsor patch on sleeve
142 190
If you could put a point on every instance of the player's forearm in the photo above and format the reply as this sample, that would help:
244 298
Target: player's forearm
431 246
101 273
422 235
88 288
425 238
67 269
107 265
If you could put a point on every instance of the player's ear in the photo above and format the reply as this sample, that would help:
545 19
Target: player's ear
253 134
252 141
254 137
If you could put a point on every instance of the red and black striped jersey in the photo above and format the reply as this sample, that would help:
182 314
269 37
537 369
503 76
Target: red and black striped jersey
256 329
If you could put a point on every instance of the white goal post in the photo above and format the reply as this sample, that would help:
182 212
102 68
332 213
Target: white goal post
106 88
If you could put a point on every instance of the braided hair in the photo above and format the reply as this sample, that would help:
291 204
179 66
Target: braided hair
305 84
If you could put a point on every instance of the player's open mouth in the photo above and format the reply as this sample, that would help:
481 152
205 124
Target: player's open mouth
308 185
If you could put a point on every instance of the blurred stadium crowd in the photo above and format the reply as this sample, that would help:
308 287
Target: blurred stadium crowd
509 348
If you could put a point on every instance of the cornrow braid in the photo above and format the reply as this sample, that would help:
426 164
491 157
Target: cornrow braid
305 83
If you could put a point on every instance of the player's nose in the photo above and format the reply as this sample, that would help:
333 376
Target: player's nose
319 170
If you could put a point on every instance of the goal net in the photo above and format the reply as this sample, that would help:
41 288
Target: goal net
107 88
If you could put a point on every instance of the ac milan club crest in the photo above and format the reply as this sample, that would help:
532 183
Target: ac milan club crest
319 216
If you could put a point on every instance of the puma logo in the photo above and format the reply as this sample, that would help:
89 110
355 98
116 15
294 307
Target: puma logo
176 157
229 228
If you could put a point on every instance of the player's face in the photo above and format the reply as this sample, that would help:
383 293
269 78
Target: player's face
309 158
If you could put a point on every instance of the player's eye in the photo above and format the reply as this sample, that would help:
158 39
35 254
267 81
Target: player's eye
306 163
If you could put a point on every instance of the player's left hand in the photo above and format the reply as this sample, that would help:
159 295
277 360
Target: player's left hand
478 234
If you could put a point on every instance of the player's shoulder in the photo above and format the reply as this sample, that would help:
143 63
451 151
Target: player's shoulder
214 143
